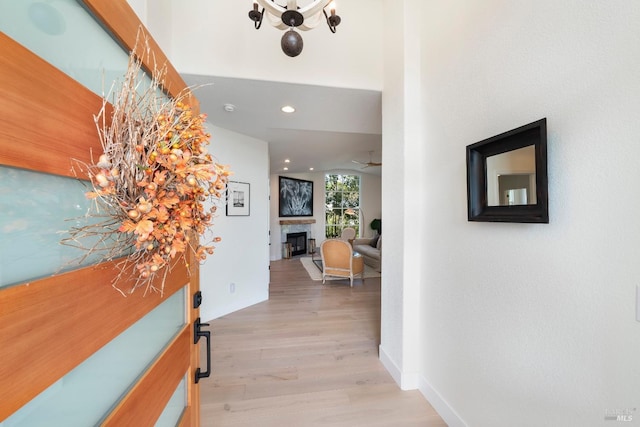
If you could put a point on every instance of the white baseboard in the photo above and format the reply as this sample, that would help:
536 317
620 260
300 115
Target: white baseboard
409 381
230 308
389 365
406 381
442 407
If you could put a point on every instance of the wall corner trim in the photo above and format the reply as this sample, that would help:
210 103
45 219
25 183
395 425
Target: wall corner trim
389 365
406 381
442 407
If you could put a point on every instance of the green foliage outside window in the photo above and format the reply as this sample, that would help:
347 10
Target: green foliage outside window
342 204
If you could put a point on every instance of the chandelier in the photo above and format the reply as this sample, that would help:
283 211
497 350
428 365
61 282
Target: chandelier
293 16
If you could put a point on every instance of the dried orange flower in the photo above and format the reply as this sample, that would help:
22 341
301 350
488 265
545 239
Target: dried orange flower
152 180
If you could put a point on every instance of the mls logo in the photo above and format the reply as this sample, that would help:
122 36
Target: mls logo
625 415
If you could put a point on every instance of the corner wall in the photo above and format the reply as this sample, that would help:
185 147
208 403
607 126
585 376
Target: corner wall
530 324
402 194
242 257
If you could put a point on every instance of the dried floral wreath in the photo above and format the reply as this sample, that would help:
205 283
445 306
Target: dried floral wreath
151 184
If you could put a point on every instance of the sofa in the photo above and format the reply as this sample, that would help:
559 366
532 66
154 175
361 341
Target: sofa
371 251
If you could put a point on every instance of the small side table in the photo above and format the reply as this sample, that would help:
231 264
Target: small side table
286 250
316 256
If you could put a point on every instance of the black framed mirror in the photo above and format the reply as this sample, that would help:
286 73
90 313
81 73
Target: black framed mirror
507 176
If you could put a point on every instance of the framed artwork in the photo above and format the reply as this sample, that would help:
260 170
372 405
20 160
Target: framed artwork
296 197
238 199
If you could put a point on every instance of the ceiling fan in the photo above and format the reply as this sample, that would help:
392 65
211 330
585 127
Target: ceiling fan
369 163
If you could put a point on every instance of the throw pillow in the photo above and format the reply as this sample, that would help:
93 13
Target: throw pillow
379 245
374 242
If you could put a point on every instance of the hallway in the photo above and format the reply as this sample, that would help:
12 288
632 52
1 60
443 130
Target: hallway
306 357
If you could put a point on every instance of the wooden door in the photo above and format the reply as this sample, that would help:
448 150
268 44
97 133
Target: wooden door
51 325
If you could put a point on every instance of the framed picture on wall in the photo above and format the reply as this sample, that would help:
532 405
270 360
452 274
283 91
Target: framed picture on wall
238 199
296 197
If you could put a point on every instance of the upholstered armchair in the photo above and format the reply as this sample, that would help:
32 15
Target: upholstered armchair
339 260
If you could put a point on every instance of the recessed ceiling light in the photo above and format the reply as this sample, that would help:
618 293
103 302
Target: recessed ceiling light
229 108
287 160
288 109
310 169
286 168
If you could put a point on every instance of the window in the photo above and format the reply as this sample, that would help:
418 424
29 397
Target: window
342 204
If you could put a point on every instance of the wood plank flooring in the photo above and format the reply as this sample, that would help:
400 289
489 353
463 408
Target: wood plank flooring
306 357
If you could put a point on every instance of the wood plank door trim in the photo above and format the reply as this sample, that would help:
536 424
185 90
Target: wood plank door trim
143 405
192 413
46 117
39 319
46 120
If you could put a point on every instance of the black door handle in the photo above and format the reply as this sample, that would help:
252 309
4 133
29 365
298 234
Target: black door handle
197 333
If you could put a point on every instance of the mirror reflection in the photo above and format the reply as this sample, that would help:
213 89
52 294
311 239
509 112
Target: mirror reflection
511 178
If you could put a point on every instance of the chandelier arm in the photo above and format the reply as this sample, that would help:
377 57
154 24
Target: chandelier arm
272 7
308 24
258 24
314 7
331 27
311 9
276 22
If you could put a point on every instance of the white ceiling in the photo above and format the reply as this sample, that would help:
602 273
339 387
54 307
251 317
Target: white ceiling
330 128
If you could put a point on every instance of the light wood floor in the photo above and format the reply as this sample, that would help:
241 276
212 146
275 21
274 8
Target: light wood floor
306 357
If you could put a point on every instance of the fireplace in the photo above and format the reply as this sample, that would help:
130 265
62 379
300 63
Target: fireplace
298 243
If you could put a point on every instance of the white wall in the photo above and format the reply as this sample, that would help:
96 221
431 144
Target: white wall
370 202
242 257
140 8
158 15
392 197
547 335
221 41
403 193
158 19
